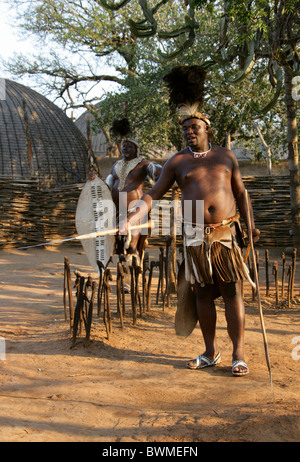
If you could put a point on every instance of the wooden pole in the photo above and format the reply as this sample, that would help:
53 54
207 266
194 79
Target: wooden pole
144 282
28 139
249 227
283 274
267 272
65 290
90 312
120 276
275 272
293 272
69 285
133 295
79 307
289 285
100 286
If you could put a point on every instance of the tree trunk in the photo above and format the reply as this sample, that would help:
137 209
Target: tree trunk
292 140
228 140
269 155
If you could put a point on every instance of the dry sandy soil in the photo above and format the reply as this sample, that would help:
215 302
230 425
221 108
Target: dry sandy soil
135 387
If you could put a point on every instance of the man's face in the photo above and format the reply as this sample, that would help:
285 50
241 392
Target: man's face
129 150
195 132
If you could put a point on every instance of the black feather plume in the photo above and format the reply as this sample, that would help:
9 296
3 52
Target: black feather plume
121 128
185 85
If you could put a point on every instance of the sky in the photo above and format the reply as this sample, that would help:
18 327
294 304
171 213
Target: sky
9 37
11 42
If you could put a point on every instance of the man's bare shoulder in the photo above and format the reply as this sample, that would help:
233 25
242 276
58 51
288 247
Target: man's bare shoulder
144 162
141 162
225 152
178 156
222 149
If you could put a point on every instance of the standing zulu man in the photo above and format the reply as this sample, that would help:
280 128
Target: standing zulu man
126 182
208 173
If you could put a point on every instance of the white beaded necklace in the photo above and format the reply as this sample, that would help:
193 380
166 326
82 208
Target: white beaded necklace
200 154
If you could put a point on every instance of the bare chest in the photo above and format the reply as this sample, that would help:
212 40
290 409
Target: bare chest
132 174
206 171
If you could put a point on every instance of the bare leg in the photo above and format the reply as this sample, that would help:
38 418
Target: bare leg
132 249
235 317
207 318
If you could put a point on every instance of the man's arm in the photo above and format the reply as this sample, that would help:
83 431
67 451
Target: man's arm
239 193
110 179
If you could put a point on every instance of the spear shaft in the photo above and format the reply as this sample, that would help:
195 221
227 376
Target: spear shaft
257 288
84 236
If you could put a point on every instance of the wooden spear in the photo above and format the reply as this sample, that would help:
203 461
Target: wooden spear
257 289
85 236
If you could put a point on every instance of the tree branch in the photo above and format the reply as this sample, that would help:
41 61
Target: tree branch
113 6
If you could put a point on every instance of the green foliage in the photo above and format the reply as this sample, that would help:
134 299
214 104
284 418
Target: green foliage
240 43
146 106
112 5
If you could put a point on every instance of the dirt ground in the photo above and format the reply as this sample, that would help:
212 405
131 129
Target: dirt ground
135 387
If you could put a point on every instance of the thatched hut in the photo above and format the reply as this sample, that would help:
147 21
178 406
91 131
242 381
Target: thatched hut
43 162
37 139
85 123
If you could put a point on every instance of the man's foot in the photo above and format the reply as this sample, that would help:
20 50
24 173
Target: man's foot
129 259
126 288
203 361
239 368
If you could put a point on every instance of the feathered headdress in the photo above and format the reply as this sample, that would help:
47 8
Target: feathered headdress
121 129
186 89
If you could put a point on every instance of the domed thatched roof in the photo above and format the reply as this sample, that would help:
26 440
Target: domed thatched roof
98 140
37 139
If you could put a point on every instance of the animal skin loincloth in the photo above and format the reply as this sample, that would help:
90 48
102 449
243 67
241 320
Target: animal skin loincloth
217 257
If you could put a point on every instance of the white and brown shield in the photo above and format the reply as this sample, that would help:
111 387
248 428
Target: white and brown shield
95 213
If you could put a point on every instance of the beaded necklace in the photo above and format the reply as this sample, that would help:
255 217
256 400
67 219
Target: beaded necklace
200 154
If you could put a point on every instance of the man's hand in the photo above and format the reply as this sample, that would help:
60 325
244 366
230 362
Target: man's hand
255 234
124 227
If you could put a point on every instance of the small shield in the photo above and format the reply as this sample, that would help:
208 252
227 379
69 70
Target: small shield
95 213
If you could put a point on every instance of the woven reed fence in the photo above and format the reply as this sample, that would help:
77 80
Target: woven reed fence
31 214
271 201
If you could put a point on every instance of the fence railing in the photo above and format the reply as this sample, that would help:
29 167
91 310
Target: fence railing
30 214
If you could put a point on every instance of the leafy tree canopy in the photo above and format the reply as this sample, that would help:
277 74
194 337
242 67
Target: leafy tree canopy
131 44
